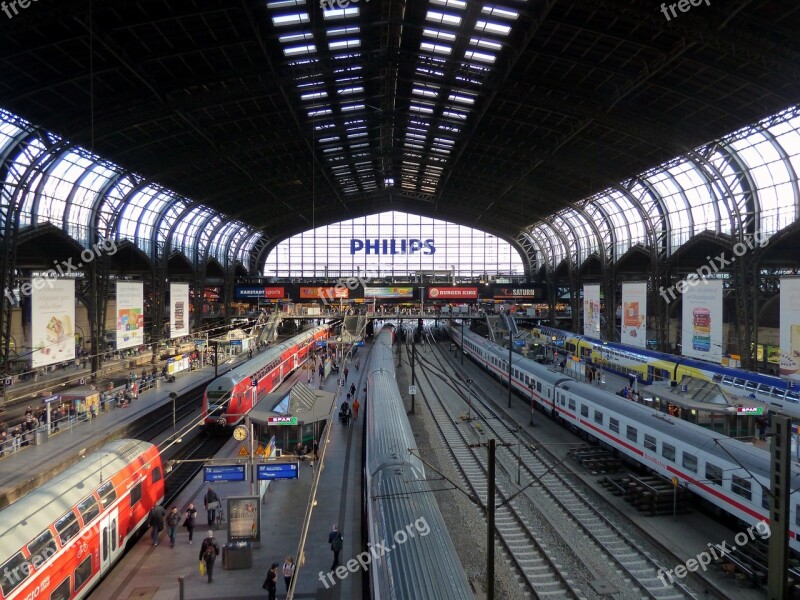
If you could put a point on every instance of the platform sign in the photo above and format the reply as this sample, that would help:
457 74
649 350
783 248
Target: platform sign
412 390
224 473
750 410
281 420
271 471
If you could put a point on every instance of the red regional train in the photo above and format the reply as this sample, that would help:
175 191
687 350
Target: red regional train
231 396
59 541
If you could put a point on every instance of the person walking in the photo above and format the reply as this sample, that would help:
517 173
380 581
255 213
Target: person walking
336 540
288 572
356 406
271 582
173 520
208 554
156 522
211 504
346 371
190 519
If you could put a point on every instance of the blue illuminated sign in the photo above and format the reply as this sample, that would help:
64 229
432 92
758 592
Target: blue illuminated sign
270 471
224 473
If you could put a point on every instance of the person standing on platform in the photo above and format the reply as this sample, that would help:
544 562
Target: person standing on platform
288 572
211 504
346 371
336 540
271 582
356 406
156 522
173 520
191 517
208 554
316 450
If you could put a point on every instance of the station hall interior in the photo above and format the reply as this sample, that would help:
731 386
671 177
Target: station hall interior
585 182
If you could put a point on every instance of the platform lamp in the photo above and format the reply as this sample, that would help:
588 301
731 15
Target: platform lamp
531 386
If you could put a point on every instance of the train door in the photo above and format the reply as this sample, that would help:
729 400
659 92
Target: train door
110 547
295 360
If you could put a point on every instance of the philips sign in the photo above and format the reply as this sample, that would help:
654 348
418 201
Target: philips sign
392 246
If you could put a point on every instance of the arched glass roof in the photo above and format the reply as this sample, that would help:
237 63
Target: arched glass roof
49 181
749 174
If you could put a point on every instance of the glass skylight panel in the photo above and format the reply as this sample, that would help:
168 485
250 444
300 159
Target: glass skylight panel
314 95
428 110
457 4
443 141
388 181
300 62
285 4
351 136
438 48
322 126
489 27
349 30
454 115
334 149
416 136
292 19
296 37
461 98
310 84
320 112
351 90
502 13
480 56
327 140
426 92
356 146
341 80
439 35
297 50
351 107
344 44
340 13
484 43
443 18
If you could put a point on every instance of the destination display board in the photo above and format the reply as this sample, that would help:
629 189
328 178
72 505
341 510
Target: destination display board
271 471
224 473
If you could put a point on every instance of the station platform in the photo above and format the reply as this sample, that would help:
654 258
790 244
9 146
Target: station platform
28 467
328 493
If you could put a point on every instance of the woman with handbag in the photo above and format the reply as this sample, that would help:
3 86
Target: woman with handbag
271 582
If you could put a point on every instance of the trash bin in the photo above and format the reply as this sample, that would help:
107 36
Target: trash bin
237 556
39 436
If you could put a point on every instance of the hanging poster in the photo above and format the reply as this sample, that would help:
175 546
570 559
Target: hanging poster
130 314
701 328
634 314
591 311
790 329
53 321
178 310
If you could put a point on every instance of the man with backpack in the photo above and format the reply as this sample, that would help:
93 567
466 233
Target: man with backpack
336 540
208 554
156 522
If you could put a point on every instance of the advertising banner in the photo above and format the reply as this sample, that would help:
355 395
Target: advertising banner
453 293
701 325
520 293
790 329
388 292
258 291
634 314
130 314
591 311
53 321
326 293
244 519
178 310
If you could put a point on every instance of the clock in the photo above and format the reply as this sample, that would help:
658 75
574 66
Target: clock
240 433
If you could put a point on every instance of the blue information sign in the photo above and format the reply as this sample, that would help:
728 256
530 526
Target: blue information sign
224 473
278 471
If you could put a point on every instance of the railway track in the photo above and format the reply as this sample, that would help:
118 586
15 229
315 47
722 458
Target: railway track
554 495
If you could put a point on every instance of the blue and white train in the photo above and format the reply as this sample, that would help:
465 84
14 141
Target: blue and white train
731 475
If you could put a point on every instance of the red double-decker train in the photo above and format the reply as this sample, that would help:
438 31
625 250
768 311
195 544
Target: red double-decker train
231 396
58 541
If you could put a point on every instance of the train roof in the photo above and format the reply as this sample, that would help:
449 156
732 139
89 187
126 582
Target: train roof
422 567
29 516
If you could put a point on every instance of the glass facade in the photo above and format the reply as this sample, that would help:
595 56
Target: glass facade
392 245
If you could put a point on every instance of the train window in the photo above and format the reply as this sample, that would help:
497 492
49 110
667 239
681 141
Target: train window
584 410
727 380
136 493
613 425
632 434
716 378
741 487
539 386
764 499
649 442
777 393
42 547
797 514
690 462
739 383
793 397
598 417
88 509
571 404
107 494
67 527
751 386
714 474
668 451
104 543
16 571
62 591
83 573
764 389
155 475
